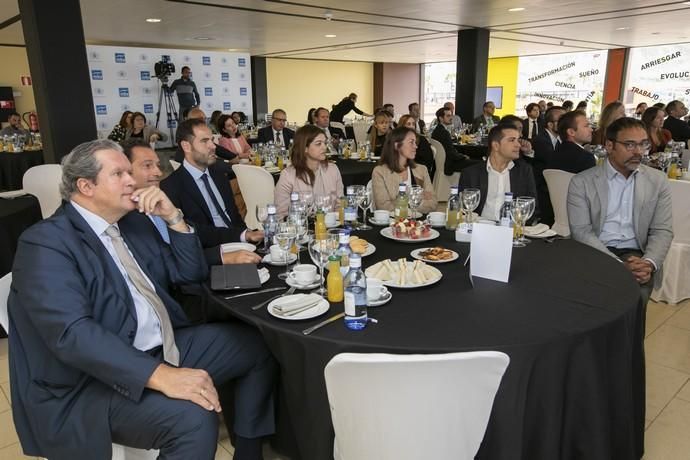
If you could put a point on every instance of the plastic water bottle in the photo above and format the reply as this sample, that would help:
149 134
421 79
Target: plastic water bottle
270 226
295 208
505 219
350 213
401 203
453 209
344 252
355 295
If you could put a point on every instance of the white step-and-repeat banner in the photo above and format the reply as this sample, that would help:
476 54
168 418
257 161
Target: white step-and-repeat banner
123 78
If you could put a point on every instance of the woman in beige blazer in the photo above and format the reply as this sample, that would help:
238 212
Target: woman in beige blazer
396 166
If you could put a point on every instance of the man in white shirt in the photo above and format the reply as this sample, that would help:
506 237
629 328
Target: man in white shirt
532 125
419 125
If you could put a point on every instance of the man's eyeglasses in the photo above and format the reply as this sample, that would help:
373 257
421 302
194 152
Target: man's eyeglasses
631 146
279 119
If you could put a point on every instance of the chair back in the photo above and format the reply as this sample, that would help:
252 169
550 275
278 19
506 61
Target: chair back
130 453
407 407
338 125
372 207
557 182
360 128
442 182
257 187
680 190
175 164
5 282
43 182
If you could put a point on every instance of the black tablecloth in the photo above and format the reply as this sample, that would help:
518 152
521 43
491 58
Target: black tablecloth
570 320
14 165
353 172
16 215
476 152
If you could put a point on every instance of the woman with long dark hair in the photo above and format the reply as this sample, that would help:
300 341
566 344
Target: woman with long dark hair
230 137
653 119
425 156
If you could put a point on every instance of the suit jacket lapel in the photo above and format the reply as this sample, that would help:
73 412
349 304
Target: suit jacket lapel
483 185
190 187
638 200
602 186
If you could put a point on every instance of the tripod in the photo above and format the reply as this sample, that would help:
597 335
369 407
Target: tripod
165 96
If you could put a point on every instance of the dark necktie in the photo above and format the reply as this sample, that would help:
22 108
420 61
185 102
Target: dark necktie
534 129
219 208
278 141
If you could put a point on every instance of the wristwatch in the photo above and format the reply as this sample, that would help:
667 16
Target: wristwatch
177 219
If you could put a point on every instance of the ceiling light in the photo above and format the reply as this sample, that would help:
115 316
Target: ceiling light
153 20
656 33
622 28
330 35
513 10
203 38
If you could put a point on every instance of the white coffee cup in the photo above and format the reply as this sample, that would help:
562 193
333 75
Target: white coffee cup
331 219
304 273
277 254
381 215
375 289
437 218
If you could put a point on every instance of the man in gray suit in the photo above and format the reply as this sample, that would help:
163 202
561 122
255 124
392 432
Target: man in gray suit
622 207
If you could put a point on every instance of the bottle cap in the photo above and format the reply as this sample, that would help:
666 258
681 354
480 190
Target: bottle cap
271 208
334 258
294 196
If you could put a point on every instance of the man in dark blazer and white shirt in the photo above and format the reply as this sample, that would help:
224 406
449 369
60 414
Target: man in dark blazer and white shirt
574 131
277 132
544 146
203 193
503 172
100 353
532 126
680 129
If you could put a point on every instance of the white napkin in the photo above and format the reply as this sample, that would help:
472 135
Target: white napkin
293 304
536 229
264 274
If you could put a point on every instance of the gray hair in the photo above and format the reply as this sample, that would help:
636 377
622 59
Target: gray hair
81 163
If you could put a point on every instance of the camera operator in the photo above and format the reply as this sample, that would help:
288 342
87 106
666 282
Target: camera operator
187 95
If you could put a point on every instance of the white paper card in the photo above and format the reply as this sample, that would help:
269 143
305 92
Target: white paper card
491 251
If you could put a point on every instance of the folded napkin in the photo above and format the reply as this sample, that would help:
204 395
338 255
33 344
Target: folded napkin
292 304
536 229
264 274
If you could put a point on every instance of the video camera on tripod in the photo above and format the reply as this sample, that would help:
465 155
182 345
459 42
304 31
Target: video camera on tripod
163 69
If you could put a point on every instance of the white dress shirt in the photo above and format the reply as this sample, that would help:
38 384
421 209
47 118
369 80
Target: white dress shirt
531 125
499 185
618 230
148 334
282 138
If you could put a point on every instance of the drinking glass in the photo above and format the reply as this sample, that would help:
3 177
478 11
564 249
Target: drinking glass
320 251
364 201
415 195
470 201
323 203
301 223
359 191
517 212
287 233
529 205
307 200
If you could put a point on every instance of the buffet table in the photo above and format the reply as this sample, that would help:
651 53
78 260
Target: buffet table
570 319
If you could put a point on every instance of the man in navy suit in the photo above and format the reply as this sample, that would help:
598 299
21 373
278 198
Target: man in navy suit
100 353
532 125
544 145
277 132
203 193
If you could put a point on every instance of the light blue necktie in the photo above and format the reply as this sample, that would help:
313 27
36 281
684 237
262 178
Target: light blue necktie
162 228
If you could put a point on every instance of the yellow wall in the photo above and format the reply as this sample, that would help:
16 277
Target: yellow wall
14 65
296 85
504 72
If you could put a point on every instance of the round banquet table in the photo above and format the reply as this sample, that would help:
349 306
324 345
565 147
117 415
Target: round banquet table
570 319
14 165
474 151
353 172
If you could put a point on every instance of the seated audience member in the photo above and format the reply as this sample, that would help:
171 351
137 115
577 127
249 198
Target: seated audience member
14 127
582 105
544 146
455 161
568 106
213 122
378 132
680 129
622 207
660 105
323 121
141 130
413 111
100 353
397 165
532 125
345 106
202 191
120 130
146 172
424 156
543 107
503 172
526 152
456 122
311 119
612 112
653 119
221 152
231 139
309 171
639 110
277 132
487 118
574 131
236 117
549 105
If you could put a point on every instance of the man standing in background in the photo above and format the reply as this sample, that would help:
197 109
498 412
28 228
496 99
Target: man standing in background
187 95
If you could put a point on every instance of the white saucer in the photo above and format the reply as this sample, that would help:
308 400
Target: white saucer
337 224
318 310
547 234
381 301
232 247
376 222
292 282
279 263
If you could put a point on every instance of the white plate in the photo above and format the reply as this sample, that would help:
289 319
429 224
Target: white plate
388 233
369 272
416 254
333 225
547 234
279 263
379 223
313 312
383 300
232 247
370 250
292 282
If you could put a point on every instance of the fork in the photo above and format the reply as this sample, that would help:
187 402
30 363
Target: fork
266 302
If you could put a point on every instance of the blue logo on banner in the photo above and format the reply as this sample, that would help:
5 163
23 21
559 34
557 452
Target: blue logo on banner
208 91
97 75
206 60
148 108
224 76
120 58
124 92
243 91
145 75
241 62
172 124
101 110
227 106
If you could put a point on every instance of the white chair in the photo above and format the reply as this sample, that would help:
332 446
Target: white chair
411 407
5 282
43 182
175 164
257 187
558 181
675 287
441 181
360 128
372 206
338 125
130 453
